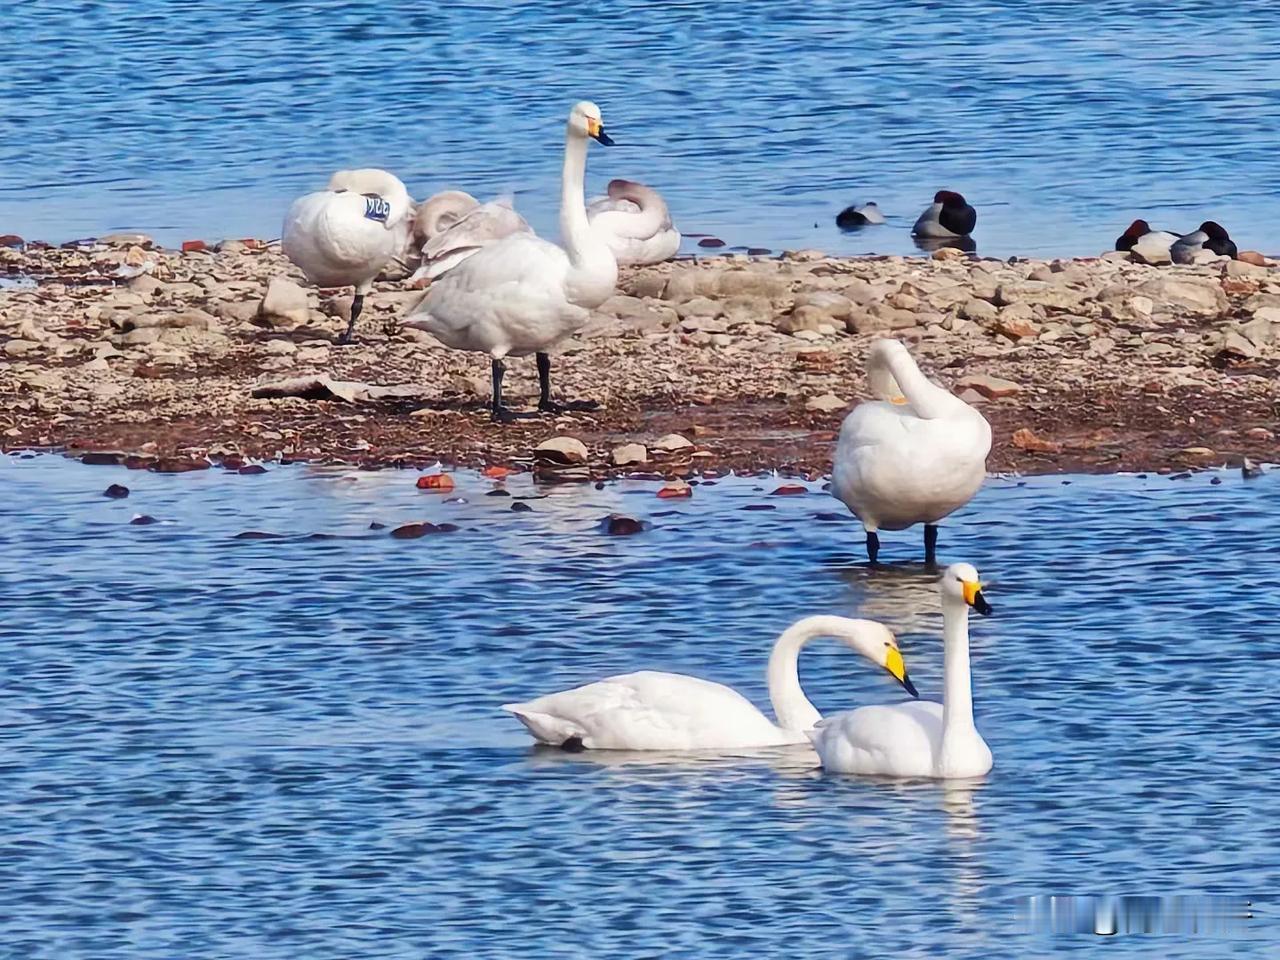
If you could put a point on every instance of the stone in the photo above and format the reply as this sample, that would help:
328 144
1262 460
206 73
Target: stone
747 309
116 491
561 450
672 443
1101 346
834 305
281 347
1244 268
802 318
127 240
629 453
675 489
1025 439
620 525
235 311
1016 321
1056 295
20 348
436 482
948 253
993 388
285 304
978 311
878 317
1185 294
827 403
735 283
698 307
1253 257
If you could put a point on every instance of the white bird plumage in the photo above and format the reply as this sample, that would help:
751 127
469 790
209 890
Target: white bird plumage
452 226
913 455
919 738
650 710
344 235
635 222
523 294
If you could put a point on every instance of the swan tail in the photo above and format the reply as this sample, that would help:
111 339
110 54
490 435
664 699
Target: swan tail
544 727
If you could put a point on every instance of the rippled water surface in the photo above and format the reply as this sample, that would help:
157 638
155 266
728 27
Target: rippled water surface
291 747
1061 121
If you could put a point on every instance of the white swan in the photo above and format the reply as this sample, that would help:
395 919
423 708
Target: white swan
670 711
344 235
635 222
918 738
452 225
523 294
911 456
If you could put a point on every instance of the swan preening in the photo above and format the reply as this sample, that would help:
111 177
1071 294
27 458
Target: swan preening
635 223
670 711
452 225
523 294
913 455
919 738
344 235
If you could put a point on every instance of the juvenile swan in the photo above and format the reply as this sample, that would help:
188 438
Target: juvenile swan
635 222
344 235
922 738
913 455
524 294
670 711
453 225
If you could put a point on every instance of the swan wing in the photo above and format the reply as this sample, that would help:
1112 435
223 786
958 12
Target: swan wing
329 238
484 225
899 740
650 710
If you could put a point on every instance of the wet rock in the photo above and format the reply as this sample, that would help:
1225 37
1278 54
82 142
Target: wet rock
1025 439
790 490
519 506
568 451
675 489
177 465
629 453
1250 470
672 443
993 388
499 492
258 535
251 470
620 525
827 403
142 520
116 491
436 482
102 458
711 242
285 304
412 531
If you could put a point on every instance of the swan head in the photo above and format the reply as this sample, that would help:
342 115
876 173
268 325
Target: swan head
960 584
877 643
880 378
441 211
585 121
372 182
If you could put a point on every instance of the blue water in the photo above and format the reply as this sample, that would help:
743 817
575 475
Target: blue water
1060 121
287 748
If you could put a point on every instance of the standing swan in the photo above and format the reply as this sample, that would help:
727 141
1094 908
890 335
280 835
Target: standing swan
344 235
921 738
670 711
635 222
523 294
913 455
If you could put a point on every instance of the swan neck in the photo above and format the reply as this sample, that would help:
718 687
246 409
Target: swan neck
790 706
927 401
575 231
957 699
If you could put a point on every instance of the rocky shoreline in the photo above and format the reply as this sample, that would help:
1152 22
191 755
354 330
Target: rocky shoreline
180 357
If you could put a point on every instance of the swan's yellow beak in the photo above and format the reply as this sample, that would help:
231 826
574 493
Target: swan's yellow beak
973 596
893 663
595 130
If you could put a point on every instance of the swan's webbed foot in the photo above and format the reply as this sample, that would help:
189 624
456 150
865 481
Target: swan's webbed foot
573 406
931 545
507 415
873 547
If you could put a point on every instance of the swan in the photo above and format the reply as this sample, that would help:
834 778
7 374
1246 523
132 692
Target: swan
851 218
921 738
452 225
1211 237
913 455
635 222
523 294
948 216
670 711
344 235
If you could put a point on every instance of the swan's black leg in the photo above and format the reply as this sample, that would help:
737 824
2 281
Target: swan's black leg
873 547
357 303
931 544
545 403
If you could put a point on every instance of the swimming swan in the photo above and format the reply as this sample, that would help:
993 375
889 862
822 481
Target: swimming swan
913 455
344 235
669 711
918 738
524 294
635 222
452 225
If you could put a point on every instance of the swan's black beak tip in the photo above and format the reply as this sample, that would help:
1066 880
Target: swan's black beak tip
980 604
603 138
910 687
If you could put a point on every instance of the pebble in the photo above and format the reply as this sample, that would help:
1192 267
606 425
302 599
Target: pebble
561 450
993 388
519 506
116 491
1025 439
827 403
628 454
620 525
675 489
436 482
142 520
672 443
